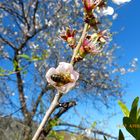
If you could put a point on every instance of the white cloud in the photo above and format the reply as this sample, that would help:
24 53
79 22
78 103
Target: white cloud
118 2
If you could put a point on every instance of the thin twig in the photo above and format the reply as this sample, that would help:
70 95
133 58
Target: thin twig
51 109
93 131
8 42
64 107
79 43
9 115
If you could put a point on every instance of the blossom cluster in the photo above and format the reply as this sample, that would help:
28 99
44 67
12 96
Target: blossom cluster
64 77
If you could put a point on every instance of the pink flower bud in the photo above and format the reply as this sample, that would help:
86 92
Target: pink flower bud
89 5
90 47
68 36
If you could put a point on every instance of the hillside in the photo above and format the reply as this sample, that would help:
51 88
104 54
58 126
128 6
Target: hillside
11 129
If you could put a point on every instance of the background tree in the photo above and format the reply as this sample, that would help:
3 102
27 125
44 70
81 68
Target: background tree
30 44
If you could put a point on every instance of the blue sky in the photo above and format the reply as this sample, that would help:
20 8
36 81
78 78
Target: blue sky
129 40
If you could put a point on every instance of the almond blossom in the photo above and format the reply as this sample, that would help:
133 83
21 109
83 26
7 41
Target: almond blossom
91 4
101 36
65 69
106 11
89 47
92 44
69 37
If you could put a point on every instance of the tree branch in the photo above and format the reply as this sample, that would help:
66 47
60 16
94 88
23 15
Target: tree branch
55 102
35 106
8 42
23 14
64 107
20 87
34 12
11 12
93 131
27 38
79 43
51 109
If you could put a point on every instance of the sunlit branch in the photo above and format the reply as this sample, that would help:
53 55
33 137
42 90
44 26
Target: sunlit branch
93 131
13 113
64 107
79 43
51 109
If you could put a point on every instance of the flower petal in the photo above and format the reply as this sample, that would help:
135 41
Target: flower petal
64 67
50 72
74 75
66 88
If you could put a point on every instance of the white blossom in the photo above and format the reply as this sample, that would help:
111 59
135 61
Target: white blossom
49 23
123 71
12 94
107 11
65 69
115 16
26 97
35 64
135 59
88 132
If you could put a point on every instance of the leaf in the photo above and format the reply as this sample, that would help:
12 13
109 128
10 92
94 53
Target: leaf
138 129
54 122
15 64
24 56
138 113
105 138
25 72
36 58
94 124
2 70
124 108
121 136
129 125
133 111
10 72
20 68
